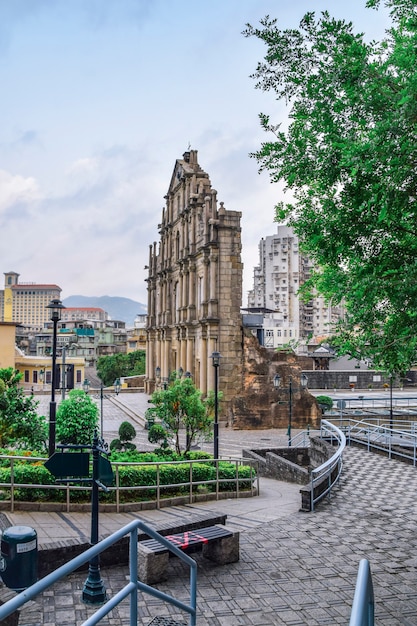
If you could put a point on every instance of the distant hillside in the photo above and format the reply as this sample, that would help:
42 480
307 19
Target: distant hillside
122 309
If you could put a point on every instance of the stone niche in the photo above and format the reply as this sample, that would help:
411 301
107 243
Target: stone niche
261 406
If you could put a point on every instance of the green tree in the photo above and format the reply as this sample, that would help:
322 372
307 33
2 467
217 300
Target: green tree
348 158
127 432
76 418
20 424
181 407
118 365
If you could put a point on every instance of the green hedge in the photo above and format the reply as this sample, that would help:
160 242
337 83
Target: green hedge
176 475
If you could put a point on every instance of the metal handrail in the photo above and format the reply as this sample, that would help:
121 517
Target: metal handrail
396 442
130 589
327 469
363 607
158 486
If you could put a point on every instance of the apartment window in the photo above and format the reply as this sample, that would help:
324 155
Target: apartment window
26 376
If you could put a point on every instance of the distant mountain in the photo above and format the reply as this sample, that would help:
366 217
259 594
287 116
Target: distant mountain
122 309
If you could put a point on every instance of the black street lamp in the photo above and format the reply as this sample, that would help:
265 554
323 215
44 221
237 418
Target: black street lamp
86 385
94 590
56 307
277 385
391 416
216 356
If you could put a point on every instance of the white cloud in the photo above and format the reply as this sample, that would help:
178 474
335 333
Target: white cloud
17 190
101 99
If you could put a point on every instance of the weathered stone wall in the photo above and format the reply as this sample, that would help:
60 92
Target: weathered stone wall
320 451
292 465
289 465
341 379
258 404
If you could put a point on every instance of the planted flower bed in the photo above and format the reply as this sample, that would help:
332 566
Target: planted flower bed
147 477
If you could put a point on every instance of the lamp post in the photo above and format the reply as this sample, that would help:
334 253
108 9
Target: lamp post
56 307
277 385
216 356
86 385
116 386
391 417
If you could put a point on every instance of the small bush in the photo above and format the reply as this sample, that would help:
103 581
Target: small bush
325 401
127 432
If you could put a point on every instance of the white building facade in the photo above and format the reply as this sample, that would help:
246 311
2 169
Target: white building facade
277 279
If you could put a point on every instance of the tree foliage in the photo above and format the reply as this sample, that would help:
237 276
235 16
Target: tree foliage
349 161
20 424
181 407
118 365
127 432
76 418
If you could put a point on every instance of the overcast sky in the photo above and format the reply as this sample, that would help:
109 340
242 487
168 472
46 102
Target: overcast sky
98 100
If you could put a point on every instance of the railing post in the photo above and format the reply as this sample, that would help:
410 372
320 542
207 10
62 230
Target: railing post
11 486
117 490
191 482
363 607
158 490
133 560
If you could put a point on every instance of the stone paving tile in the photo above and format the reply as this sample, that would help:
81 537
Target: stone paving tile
297 570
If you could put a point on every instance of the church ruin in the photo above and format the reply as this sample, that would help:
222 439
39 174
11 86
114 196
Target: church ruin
195 286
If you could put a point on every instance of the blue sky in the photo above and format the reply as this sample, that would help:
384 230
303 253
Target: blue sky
100 97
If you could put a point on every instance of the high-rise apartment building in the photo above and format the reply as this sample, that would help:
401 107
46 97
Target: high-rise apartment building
25 303
281 271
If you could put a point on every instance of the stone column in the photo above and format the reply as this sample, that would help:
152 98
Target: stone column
203 366
213 312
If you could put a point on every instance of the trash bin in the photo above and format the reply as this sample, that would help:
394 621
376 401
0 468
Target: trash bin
19 557
151 422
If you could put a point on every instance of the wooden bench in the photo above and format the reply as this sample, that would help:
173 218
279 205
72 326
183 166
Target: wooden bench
218 544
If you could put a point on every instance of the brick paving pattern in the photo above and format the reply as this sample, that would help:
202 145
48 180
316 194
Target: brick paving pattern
296 568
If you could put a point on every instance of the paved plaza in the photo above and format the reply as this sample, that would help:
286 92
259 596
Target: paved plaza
295 568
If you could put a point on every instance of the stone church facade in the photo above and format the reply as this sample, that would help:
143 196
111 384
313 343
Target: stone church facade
195 286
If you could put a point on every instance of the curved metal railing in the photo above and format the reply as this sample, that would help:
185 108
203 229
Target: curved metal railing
326 476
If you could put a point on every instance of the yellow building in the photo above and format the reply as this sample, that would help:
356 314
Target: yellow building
25 303
7 344
37 371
